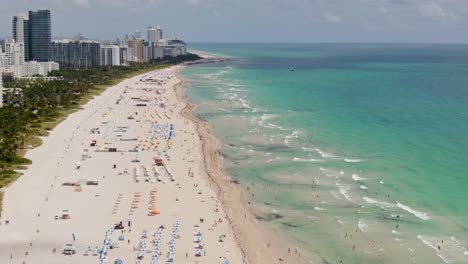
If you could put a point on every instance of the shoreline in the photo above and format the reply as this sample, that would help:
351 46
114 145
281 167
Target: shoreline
258 244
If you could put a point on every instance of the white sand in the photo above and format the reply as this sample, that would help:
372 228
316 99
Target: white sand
40 190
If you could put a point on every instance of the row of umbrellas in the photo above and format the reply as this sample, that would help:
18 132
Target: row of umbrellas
172 243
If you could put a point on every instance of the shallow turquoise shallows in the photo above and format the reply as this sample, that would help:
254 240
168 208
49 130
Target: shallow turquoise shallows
355 152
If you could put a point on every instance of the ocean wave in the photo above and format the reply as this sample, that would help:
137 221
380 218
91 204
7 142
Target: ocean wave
363 187
294 135
275 159
344 189
357 177
319 208
381 204
319 151
354 160
428 243
325 154
296 159
307 149
422 215
334 194
265 117
215 75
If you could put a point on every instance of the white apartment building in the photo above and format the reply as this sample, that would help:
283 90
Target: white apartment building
50 66
15 52
110 55
152 35
3 59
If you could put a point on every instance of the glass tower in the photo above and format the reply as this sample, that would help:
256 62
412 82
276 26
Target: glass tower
39 35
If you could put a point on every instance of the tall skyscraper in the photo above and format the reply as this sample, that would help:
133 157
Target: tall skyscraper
27 40
39 35
159 33
137 34
152 35
18 28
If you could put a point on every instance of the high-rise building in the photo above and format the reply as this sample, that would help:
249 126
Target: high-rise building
15 52
173 47
137 34
3 60
110 55
18 28
152 35
159 33
76 54
137 46
39 34
27 40
124 56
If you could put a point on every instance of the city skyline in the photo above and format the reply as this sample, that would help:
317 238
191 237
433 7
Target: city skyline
258 20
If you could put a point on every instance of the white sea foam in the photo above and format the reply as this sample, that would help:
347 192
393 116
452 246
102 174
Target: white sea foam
339 220
276 159
428 243
319 151
354 160
294 135
344 189
381 182
325 154
296 159
335 195
363 187
362 225
357 177
319 208
307 149
381 204
422 215
265 117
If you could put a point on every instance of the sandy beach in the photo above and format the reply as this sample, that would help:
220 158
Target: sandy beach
98 168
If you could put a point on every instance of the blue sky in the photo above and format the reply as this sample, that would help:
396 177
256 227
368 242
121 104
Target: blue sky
256 20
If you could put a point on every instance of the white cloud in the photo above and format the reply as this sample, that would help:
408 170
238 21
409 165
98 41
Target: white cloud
332 18
432 10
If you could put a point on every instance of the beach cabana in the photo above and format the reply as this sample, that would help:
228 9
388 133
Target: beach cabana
66 214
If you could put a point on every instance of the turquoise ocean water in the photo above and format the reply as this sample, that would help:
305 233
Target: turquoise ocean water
359 155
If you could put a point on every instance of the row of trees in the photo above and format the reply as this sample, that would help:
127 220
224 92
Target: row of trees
30 103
